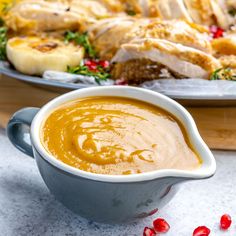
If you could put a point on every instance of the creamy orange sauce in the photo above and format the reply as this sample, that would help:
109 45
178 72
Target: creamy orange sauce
111 135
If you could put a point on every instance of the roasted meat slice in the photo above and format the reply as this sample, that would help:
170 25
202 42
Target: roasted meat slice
42 15
185 61
136 71
177 31
109 34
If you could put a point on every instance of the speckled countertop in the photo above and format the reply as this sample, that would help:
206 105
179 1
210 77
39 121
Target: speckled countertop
27 207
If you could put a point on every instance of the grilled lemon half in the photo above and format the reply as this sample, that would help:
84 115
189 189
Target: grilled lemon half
34 55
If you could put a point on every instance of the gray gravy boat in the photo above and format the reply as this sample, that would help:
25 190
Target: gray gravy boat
108 198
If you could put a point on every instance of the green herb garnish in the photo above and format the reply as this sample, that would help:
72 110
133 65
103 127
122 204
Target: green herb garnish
99 74
215 74
81 39
3 43
223 74
232 12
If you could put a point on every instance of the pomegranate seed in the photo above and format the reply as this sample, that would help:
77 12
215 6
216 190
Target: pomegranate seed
92 65
104 64
216 32
148 232
201 231
225 222
160 225
91 62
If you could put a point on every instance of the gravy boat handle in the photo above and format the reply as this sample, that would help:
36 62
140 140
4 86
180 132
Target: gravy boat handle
18 129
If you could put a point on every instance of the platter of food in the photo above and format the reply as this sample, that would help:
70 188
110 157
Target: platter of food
184 49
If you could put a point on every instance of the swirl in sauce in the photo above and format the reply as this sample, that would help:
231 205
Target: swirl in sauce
111 135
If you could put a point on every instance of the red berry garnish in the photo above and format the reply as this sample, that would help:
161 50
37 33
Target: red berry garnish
92 65
104 64
216 32
225 221
148 232
93 68
160 225
201 231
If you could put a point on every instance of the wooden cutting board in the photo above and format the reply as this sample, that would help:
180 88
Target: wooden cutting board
217 124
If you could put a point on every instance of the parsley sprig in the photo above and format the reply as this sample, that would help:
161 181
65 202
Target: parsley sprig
99 74
223 74
3 42
83 40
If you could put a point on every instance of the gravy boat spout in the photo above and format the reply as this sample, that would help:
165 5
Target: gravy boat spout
101 197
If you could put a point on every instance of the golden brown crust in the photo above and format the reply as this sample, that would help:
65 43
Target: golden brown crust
176 31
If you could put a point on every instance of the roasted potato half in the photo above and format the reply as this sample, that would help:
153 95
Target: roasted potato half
34 55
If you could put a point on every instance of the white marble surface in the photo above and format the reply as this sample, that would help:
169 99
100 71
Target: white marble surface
27 207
